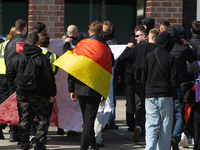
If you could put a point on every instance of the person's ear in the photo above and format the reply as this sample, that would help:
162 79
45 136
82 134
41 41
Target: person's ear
89 32
191 31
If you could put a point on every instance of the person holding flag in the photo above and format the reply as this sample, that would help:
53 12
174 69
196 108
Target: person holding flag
89 68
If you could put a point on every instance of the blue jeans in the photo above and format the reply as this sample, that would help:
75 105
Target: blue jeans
159 113
178 108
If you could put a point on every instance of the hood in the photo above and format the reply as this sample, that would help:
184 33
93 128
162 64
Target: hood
107 36
175 34
149 22
165 41
31 49
181 31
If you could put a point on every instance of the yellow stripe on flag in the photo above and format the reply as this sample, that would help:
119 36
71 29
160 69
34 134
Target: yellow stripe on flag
85 70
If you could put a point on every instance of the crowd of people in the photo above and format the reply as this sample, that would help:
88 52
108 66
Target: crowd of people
161 70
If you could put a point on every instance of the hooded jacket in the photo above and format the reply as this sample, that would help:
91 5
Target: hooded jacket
149 22
10 50
152 77
46 85
182 53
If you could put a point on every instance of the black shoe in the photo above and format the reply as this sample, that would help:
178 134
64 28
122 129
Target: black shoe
101 145
174 144
94 148
40 146
60 131
106 127
113 126
13 137
136 134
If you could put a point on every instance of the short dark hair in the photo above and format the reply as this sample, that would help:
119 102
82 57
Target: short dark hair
32 38
43 39
165 23
95 27
196 27
39 27
138 27
20 24
142 29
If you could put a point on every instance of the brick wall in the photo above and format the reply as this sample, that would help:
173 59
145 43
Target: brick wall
1 17
51 12
170 10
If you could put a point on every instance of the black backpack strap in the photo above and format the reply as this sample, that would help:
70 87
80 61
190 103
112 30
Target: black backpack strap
48 54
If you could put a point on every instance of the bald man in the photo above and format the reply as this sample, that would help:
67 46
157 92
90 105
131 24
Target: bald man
72 40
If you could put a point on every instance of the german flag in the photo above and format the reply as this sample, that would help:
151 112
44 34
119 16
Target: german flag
91 63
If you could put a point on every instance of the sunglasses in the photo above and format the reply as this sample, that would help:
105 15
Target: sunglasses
138 35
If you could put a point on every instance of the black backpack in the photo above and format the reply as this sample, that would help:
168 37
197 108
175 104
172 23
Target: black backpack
27 76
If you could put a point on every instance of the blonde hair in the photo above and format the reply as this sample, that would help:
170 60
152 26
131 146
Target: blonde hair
95 27
12 33
153 34
107 26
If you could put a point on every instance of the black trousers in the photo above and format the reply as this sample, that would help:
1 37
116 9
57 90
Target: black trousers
135 106
196 115
89 107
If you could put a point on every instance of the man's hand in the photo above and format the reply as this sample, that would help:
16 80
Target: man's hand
130 45
68 40
118 79
51 99
74 97
103 100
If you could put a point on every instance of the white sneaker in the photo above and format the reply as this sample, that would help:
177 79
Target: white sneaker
184 141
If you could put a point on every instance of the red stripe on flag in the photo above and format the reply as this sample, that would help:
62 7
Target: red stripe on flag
96 51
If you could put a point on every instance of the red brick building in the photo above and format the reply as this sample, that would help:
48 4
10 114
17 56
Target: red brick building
58 14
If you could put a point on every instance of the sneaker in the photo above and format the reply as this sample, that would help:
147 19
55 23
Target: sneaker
136 134
113 126
40 146
174 144
32 140
60 131
184 141
101 145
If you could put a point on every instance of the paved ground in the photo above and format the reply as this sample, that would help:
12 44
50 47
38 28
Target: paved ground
113 139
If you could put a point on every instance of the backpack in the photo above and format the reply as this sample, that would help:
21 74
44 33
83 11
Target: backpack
197 87
27 76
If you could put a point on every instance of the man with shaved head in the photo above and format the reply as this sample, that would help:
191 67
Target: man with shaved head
72 33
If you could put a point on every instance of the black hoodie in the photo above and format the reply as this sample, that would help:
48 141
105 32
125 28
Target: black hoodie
152 77
149 22
182 53
47 86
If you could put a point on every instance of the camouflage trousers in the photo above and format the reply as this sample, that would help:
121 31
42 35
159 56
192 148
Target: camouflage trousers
28 106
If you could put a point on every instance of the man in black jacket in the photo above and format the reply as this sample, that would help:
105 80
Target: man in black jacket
10 52
88 98
34 101
159 101
72 40
136 57
182 54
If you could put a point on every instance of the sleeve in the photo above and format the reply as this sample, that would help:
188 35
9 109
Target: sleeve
174 78
11 70
189 55
67 47
49 78
127 55
71 83
144 72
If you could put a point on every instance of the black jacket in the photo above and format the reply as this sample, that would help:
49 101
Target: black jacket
10 50
74 85
152 77
47 84
182 53
67 45
109 38
136 56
